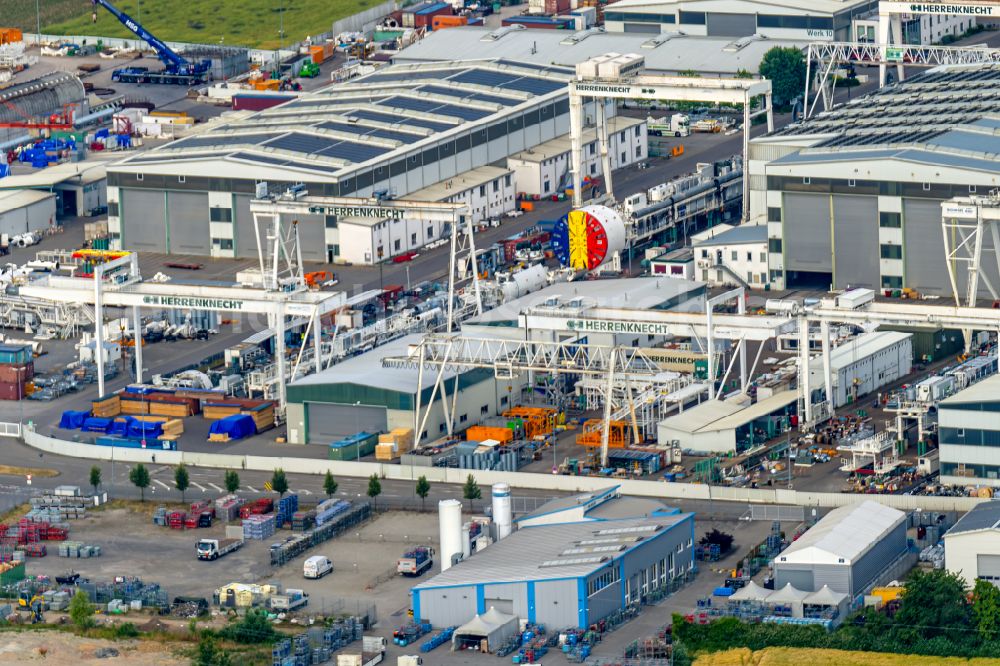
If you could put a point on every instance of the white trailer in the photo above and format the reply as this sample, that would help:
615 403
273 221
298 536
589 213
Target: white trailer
855 298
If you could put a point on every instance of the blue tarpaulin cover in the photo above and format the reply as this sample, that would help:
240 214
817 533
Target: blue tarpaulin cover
120 426
723 592
236 426
73 419
144 429
96 424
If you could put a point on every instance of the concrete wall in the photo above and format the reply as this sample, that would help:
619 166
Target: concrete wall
568 484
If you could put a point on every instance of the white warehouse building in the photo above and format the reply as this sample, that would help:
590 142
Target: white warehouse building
972 545
395 132
862 365
26 210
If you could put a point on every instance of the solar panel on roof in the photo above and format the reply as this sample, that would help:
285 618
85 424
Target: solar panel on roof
301 143
484 77
534 86
409 75
222 140
462 112
464 94
389 118
354 152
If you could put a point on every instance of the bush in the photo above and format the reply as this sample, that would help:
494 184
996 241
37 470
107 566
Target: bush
253 629
126 630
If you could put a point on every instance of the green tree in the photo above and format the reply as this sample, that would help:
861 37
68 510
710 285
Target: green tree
786 69
330 484
471 491
744 74
231 481
423 489
209 653
80 610
934 604
139 476
986 610
254 628
374 489
279 482
95 477
181 479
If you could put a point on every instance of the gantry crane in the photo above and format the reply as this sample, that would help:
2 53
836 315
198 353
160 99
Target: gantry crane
177 69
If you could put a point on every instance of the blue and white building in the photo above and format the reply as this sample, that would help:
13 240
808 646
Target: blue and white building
969 435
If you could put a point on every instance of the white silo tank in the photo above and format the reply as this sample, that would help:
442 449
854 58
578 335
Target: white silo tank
466 540
502 515
450 520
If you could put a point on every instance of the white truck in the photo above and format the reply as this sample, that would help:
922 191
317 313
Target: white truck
213 549
676 125
372 652
409 660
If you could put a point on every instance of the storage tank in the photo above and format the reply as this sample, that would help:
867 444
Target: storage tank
523 282
502 515
450 523
586 238
466 540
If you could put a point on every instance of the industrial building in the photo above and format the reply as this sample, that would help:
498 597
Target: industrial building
729 426
568 575
359 394
972 545
395 132
813 20
596 506
669 53
851 550
863 365
545 169
81 188
852 198
26 210
969 435
726 254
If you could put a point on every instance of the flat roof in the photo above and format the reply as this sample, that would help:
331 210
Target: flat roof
562 144
446 189
645 293
715 415
551 552
86 172
770 7
14 199
378 117
744 234
847 533
663 52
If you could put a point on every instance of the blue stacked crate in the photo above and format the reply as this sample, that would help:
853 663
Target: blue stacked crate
259 527
330 509
280 652
287 506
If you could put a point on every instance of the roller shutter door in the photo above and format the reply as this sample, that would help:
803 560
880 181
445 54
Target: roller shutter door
988 566
144 221
330 422
312 237
642 28
807 233
246 241
505 606
188 214
731 25
926 270
855 241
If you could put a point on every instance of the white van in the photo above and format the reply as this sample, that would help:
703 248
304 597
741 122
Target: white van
317 566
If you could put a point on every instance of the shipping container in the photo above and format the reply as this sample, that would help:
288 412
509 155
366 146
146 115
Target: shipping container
483 433
15 374
12 391
448 21
354 447
258 102
15 354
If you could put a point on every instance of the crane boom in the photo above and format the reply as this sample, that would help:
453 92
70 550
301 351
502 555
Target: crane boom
177 68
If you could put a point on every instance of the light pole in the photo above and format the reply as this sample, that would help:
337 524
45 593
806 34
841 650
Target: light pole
38 19
357 428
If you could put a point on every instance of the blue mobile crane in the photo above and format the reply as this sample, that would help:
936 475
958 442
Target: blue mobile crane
177 71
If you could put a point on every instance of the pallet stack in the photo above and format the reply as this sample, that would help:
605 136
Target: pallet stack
303 520
257 507
259 527
175 520
330 509
393 444
227 508
17 368
287 506
261 411
78 549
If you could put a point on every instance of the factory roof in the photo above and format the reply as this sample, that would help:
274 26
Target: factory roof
83 173
366 370
985 391
446 189
646 293
846 533
606 504
377 117
715 415
769 7
669 52
744 234
14 199
561 145
946 116
982 517
555 551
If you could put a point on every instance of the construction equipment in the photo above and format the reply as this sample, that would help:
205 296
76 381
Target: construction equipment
317 278
310 70
25 600
177 69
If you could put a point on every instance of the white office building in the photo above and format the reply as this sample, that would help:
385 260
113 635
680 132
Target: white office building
726 255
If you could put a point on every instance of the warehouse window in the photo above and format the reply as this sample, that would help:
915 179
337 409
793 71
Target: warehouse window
606 579
430 232
113 208
503 400
891 251
139 176
217 214
181 179
496 185
506 180
485 409
693 18
225 243
330 221
890 220
773 214
892 282
413 239
482 190
395 245
463 418
441 428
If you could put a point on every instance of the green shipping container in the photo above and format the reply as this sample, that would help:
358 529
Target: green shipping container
934 345
12 575
352 449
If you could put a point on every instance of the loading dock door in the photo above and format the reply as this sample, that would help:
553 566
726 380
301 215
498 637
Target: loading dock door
246 240
312 237
144 220
188 214
988 567
505 606
329 422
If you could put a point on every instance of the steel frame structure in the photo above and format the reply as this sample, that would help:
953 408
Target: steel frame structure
965 223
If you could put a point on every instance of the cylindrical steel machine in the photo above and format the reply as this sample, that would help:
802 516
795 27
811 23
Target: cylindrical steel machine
588 237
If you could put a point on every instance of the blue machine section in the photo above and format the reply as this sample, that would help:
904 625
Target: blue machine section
581 595
531 601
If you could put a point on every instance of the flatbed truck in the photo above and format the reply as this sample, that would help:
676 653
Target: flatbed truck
213 549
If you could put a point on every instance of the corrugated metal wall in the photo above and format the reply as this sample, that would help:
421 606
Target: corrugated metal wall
799 575
731 25
855 225
450 606
510 598
807 233
188 218
328 422
144 222
925 265
246 241
882 554
556 603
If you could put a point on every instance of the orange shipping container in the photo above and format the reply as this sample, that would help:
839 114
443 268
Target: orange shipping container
10 35
527 206
316 53
445 21
482 433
